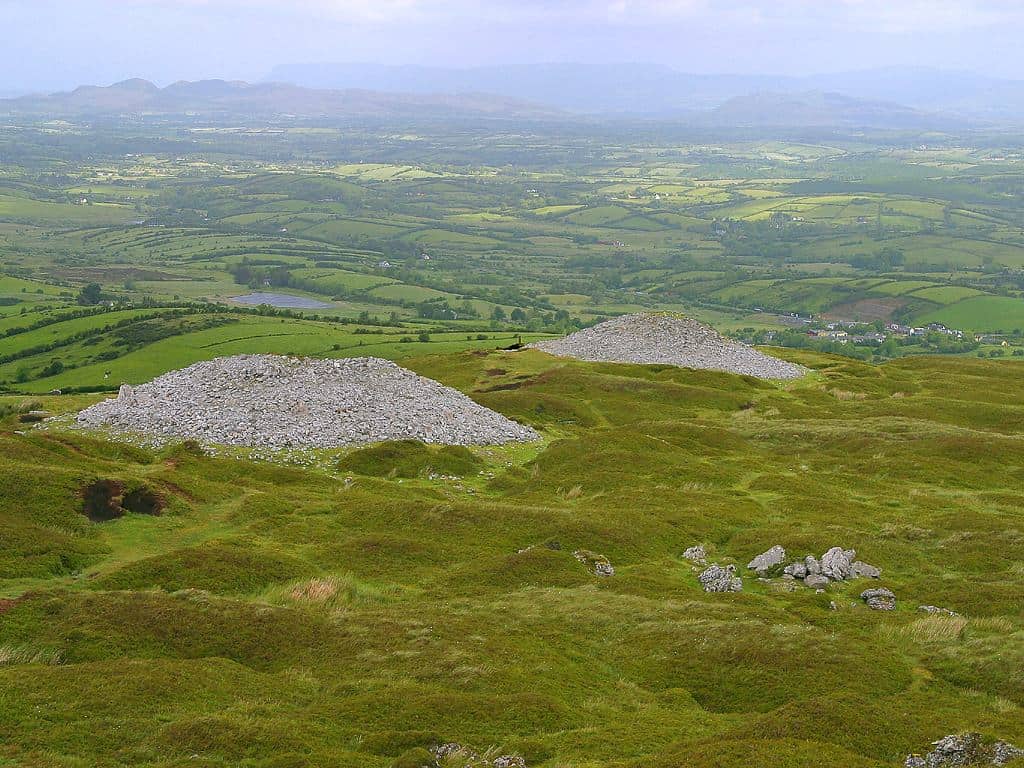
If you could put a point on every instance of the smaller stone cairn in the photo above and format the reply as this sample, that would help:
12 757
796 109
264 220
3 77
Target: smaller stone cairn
649 338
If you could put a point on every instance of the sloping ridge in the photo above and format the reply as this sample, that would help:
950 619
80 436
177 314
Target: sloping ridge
223 97
669 340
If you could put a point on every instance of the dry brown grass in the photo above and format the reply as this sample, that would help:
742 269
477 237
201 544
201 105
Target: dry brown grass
319 590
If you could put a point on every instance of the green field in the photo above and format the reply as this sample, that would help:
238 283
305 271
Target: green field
359 607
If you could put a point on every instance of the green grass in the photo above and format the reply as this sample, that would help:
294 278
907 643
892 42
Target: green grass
356 607
353 612
982 313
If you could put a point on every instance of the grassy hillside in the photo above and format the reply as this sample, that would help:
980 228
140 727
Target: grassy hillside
350 613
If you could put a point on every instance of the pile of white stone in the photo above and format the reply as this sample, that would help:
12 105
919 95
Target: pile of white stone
269 401
965 749
670 340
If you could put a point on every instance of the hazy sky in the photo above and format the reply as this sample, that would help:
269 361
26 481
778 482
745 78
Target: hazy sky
59 43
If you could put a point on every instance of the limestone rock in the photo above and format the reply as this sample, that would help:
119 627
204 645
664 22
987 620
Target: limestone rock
509 761
965 749
721 579
879 599
766 561
837 564
813 566
861 569
696 554
797 570
816 581
936 610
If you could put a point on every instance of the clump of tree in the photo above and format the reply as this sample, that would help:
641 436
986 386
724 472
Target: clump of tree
91 295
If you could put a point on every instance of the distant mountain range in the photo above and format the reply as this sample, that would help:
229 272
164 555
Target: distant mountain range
815 109
891 100
658 91
221 98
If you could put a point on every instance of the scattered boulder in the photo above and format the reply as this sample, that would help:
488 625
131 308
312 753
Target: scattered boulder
721 579
816 581
879 599
442 751
837 563
936 610
863 570
455 754
696 554
768 561
812 564
965 749
598 564
797 570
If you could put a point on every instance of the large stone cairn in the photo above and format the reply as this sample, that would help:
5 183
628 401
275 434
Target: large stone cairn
269 401
668 340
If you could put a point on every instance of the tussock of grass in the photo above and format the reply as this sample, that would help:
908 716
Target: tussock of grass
331 591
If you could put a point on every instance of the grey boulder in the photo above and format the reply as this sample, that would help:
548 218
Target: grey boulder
716 578
879 599
696 554
797 570
861 569
816 581
965 749
837 563
766 561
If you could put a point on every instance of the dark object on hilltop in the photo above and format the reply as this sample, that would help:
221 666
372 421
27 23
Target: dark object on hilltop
965 749
513 347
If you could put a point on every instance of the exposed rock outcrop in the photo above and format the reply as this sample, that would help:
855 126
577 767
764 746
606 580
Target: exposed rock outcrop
965 749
